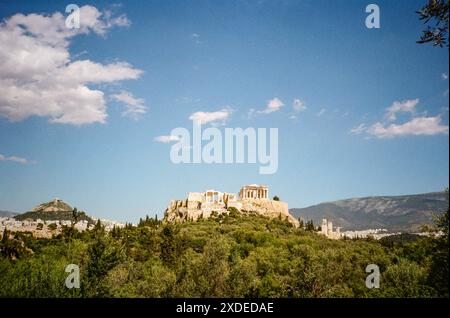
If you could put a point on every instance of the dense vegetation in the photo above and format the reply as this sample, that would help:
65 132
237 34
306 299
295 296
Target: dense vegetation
72 214
52 216
230 256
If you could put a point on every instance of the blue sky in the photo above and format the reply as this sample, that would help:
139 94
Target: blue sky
174 58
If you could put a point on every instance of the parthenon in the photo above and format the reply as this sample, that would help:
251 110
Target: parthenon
254 191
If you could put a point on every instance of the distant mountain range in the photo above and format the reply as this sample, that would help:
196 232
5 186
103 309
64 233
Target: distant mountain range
7 214
395 213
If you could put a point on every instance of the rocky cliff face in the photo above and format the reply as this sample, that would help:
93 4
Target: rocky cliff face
183 210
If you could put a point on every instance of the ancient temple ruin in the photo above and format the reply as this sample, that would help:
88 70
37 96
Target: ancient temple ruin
212 196
254 191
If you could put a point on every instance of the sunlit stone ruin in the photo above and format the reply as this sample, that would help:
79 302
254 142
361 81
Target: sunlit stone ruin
251 198
327 230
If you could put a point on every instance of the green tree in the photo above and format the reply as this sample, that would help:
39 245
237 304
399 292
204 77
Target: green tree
75 216
4 236
103 256
11 248
439 273
435 15
99 229
233 212
301 224
168 246
310 226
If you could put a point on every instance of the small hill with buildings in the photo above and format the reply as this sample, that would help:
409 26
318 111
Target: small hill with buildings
48 219
251 199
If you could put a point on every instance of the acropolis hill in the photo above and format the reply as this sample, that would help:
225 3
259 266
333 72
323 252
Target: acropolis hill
252 198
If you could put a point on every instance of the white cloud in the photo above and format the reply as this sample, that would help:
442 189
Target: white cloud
298 105
321 112
273 105
444 76
90 72
211 117
167 138
39 76
419 126
408 106
196 38
14 159
135 107
359 129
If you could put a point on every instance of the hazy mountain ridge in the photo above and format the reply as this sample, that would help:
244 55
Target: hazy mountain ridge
405 212
7 214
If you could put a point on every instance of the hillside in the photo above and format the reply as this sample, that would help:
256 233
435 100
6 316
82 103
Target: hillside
53 210
396 213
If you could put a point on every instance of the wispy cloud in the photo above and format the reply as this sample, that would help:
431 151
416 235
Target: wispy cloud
321 112
217 117
416 126
196 38
406 106
167 138
20 160
419 126
444 76
358 129
273 105
298 105
187 100
135 107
